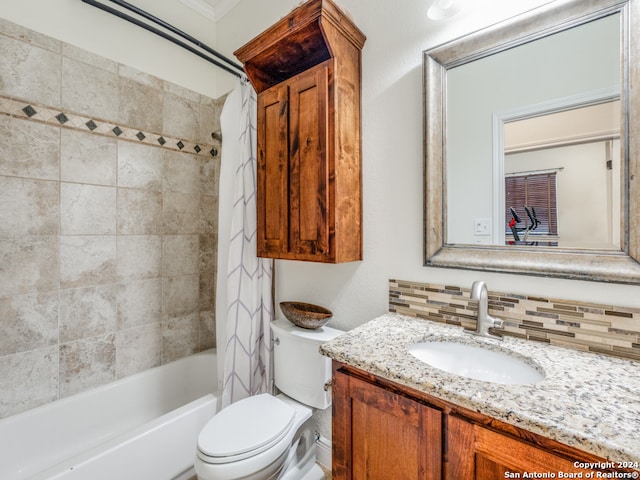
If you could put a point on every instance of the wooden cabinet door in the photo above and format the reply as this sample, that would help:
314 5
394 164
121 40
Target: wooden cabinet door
380 435
309 162
273 171
293 168
477 453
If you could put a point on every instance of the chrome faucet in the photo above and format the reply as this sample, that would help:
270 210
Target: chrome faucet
485 321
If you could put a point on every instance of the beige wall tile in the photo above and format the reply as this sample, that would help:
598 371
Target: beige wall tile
208 214
180 255
29 207
83 213
28 379
22 156
180 295
181 173
139 212
180 213
88 89
181 116
87 312
28 264
29 36
210 175
21 67
139 303
209 120
180 336
208 252
139 257
207 330
84 56
138 349
87 209
134 94
87 363
140 166
87 158
87 260
142 78
29 322
207 298
180 91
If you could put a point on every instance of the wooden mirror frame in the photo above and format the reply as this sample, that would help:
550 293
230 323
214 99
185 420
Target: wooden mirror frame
604 266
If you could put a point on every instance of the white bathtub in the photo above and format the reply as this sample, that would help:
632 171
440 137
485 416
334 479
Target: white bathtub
143 427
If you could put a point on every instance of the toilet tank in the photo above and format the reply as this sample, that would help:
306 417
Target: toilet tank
299 371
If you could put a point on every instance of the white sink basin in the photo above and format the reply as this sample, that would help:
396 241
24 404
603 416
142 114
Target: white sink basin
476 362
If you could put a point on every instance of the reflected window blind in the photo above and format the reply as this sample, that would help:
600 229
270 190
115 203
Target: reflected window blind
537 191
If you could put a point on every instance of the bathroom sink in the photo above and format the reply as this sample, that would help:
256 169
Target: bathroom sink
476 362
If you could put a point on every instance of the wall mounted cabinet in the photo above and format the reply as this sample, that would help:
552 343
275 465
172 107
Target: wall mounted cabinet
306 71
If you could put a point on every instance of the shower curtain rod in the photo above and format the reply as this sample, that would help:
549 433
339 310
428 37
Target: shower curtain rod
231 65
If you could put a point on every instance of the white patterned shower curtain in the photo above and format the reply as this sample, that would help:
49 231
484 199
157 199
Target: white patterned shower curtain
249 303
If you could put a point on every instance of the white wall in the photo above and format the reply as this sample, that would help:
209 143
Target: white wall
84 26
397 34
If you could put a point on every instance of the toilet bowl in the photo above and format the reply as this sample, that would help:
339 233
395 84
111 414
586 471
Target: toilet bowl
270 437
251 438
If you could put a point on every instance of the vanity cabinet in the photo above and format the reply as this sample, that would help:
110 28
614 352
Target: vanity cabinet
306 71
478 453
383 430
379 434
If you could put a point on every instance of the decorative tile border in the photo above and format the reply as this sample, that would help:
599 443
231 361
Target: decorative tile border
567 323
53 116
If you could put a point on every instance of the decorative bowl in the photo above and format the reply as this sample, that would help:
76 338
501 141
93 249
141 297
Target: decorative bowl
306 315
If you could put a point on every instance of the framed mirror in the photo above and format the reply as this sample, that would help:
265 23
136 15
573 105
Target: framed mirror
531 145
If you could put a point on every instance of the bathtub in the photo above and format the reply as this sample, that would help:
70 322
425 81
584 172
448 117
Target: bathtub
142 427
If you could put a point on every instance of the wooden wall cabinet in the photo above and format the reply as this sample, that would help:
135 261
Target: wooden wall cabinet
382 431
306 70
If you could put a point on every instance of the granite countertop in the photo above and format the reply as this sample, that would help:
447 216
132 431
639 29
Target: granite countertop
588 401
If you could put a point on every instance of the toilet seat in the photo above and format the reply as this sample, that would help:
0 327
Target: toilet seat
245 429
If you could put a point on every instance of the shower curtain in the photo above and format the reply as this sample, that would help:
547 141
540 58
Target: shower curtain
249 303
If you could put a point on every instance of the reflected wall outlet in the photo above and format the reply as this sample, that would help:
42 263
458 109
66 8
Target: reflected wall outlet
482 226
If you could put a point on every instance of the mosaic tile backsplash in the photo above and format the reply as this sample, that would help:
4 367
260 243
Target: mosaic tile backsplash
108 220
578 325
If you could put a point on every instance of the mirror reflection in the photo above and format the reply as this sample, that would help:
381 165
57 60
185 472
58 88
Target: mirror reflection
533 143
562 179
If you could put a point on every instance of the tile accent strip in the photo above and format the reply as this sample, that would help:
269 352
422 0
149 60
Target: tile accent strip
581 326
53 116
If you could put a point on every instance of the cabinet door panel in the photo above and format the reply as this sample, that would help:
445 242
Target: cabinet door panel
477 453
272 165
309 162
389 436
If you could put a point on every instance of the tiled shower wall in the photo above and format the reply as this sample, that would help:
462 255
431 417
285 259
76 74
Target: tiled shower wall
591 327
108 220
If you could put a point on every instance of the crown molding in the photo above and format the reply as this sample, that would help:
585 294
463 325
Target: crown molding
222 7
201 7
213 10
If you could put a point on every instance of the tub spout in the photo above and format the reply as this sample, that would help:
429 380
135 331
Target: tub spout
485 321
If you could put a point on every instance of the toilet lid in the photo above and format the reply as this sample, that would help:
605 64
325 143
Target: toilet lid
246 427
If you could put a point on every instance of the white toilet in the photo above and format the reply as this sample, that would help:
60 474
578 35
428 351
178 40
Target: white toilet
269 437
